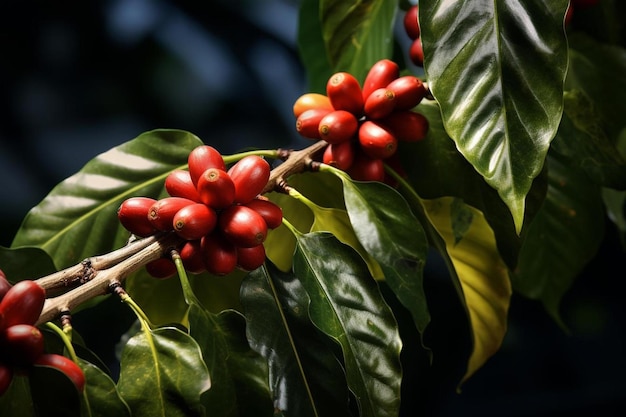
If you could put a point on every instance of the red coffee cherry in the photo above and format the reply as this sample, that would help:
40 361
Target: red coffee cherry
409 91
22 304
345 93
22 344
310 101
407 126
411 23
194 221
202 158
339 155
379 76
271 212
380 103
179 184
365 168
338 126
133 215
191 255
216 188
65 365
6 376
250 259
250 175
307 124
376 141
162 212
243 226
220 255
416 52
161 268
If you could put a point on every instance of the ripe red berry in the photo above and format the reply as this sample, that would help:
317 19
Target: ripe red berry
409 91
22 304
133 215
365 168
380 103
407 126
179 184
307 124
216 188
339 155
162 212
379 76
376 141
338 126
250 259
6 376
416 52
220 255
202 158
21 344
310 101
194 221
270 211
345 93
250 175
411 23
65 365
161 268
191 255
243 226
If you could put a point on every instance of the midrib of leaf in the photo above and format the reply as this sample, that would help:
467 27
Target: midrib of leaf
147 331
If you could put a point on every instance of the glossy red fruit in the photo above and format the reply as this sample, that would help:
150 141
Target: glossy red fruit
411 24
202 158
380 103
220 255
179 184
344 92
65 365
6 376
339 155
407 126
409 91
194 221
250 176
216 188
243 226
308 122
21 344
162 212
161 268
338 126
376 141
191 255
310 101
133 215
270 211
22 304
250 259
379 76
365 168
416 52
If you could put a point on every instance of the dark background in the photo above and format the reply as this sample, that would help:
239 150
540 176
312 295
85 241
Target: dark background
77 78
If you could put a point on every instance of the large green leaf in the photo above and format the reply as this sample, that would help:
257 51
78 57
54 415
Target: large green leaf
311 46
347 305
483 277
497 69
78 218
101 397
562 238
163 374
17 400
305 376
25 263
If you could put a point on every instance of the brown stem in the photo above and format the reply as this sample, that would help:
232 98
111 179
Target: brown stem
297 161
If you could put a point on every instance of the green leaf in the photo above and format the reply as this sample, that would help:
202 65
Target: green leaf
562 238
497 69
163 374
25 263
53 393
78 219
101 397
346 304
17 400
305 376
311 46
483 276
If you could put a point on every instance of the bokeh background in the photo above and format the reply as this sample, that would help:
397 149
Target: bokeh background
79 77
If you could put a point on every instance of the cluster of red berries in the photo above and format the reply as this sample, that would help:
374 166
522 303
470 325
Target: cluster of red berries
363 125
219 213
412 28
21 342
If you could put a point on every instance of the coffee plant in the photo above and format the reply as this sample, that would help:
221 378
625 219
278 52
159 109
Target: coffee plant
485 136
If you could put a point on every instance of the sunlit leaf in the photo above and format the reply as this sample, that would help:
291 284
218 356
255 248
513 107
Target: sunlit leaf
497 69
312 48
483 276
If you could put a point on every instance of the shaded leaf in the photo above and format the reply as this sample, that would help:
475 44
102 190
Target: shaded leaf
305 377
17 400
53 393
311 46
101 398
347 305
499 81
25 263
